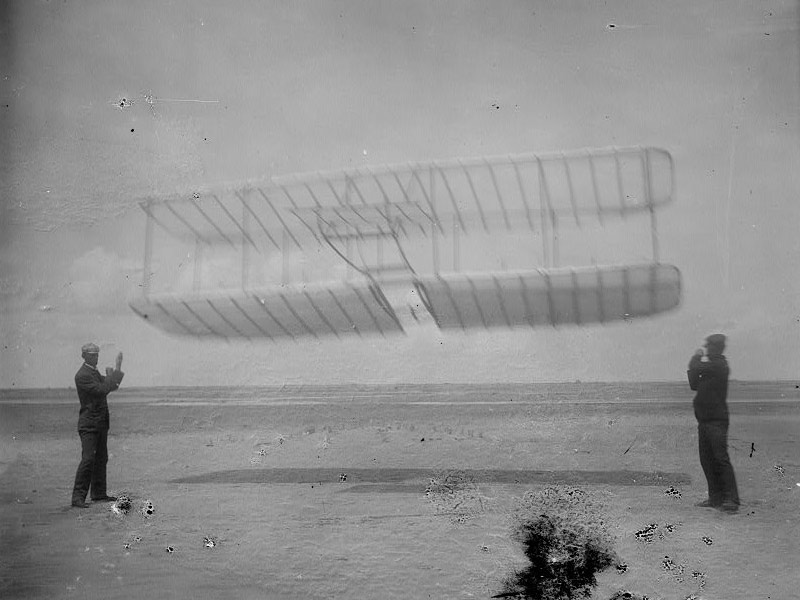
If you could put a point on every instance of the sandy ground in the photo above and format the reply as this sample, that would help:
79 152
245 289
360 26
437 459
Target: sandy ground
314 498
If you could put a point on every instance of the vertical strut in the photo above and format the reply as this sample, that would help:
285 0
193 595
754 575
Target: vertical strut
554 225
573 202
475 196
379 252
499 195
198 260
434 235
148 250
620 185
654 235
648 187
277 214
545 210
456 248
348 245
284 276
595 188
452 196
415 175
245 248
522 194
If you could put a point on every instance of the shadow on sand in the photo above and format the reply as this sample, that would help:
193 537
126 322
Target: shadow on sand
399 476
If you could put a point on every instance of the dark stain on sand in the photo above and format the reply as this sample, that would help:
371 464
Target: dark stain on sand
399 479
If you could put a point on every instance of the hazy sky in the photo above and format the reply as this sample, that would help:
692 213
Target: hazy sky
241 90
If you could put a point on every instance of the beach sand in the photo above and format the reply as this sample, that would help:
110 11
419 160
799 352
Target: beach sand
322 494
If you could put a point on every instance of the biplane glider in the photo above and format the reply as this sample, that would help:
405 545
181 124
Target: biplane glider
508 241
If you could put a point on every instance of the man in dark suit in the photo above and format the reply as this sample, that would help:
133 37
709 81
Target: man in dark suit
93 423
708 376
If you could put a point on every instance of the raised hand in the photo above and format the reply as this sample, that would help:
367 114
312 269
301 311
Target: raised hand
119 361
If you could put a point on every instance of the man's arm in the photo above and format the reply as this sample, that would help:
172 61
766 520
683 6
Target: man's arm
114 375
87 383
701 370
693 372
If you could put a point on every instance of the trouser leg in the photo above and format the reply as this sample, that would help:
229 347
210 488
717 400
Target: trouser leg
98 487
83 476
704 439
724 469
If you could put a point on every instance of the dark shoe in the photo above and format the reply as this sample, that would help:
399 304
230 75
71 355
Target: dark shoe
80 504
729 507
104 499
707 504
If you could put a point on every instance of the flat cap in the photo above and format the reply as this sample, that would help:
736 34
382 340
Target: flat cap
716 339
90 348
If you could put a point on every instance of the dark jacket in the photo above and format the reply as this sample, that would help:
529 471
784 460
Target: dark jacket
710 380
93 388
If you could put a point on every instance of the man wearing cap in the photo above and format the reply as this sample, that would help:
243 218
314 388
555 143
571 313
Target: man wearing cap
93 422
708 376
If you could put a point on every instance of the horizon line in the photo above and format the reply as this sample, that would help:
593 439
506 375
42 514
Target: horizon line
374 384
